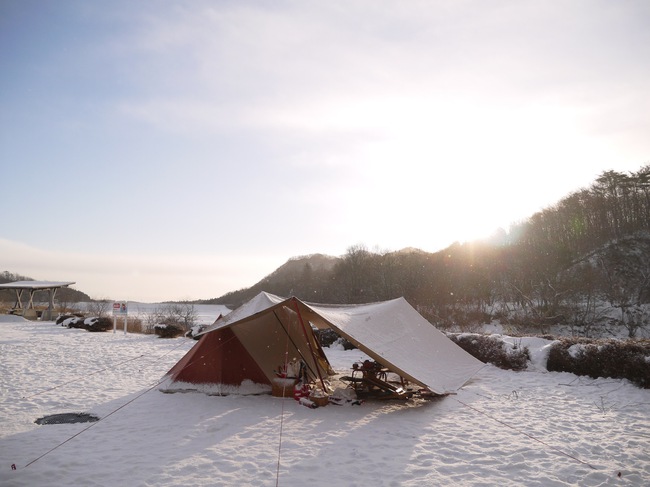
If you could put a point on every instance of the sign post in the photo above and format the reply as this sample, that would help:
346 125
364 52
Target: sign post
120 308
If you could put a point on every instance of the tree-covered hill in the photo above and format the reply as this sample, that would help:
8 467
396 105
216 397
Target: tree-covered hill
304 277
565 264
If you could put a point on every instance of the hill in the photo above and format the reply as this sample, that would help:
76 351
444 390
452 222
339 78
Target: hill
304 277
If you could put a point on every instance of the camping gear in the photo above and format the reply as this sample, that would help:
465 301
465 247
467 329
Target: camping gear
301 389
370 380
283 386
319 398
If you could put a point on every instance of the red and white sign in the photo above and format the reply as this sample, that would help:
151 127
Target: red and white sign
120 308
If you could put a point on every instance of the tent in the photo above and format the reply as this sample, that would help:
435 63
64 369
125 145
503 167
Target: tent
241 352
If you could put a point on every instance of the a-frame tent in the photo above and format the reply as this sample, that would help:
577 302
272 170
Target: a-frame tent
241 352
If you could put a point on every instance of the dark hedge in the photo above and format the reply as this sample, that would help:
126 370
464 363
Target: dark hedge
167 331
619 359
490 349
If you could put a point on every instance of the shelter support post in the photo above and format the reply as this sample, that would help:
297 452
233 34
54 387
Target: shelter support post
19 300
50 304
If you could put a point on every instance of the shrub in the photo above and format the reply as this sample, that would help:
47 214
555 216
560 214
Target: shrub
98 324
629 359
167 331
178 315
63 319
88 324
491 349
327 337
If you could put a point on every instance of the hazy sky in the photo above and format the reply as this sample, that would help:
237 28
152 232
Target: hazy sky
180 150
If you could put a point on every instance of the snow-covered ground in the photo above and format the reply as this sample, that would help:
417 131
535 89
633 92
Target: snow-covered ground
503 428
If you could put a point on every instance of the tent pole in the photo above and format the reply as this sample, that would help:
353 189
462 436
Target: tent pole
304 331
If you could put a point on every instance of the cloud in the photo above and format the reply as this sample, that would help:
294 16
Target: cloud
335 68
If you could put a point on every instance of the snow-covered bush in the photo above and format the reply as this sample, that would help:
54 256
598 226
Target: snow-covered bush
167 331
491 349
621 359
328 337
64 319
179 315
97 324
89 324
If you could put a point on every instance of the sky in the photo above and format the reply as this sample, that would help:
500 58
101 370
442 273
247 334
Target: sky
180 150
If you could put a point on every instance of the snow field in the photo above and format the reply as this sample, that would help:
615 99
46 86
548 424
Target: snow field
585 431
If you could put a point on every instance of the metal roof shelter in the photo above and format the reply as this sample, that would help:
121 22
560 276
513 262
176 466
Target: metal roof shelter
31 287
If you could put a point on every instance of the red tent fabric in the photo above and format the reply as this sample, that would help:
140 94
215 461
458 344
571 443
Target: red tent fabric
218 357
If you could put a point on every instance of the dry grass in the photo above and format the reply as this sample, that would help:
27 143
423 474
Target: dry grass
133 325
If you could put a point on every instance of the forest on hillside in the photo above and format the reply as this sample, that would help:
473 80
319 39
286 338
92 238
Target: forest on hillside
583 262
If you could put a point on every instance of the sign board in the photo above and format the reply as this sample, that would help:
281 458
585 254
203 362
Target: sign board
120 308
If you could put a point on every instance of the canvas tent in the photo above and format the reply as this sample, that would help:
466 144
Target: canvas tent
241 352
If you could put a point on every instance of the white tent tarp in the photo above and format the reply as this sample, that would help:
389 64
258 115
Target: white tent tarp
396 335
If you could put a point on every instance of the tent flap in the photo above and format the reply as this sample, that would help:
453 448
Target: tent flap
396 335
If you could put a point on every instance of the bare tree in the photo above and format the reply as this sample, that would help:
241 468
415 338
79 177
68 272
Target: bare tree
65 303
99 307
181 315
